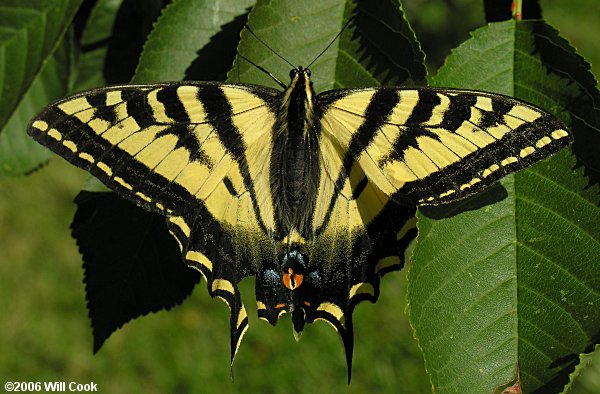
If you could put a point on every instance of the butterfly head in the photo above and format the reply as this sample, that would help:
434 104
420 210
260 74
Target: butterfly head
300 71
300 78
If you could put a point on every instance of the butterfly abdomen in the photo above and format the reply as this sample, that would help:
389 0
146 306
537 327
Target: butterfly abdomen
295 161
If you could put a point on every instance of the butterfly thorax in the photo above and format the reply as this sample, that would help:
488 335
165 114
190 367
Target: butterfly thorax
295 160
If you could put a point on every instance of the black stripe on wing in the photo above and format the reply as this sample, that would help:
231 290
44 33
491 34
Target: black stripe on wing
173 106
219 113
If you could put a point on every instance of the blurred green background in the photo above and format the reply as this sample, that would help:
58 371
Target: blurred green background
45 334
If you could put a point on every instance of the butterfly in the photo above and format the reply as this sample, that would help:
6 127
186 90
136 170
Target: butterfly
312 194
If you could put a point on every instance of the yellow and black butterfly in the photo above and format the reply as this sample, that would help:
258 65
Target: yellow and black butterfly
313 194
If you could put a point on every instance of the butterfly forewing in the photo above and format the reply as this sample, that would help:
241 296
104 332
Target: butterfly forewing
428 146
168 147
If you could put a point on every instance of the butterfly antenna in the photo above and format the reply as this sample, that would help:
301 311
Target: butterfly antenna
264 70
266 45
332 41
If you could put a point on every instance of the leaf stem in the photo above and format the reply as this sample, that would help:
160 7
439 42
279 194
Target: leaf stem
517 9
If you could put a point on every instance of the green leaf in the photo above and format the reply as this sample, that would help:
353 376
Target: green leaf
19 153
574 91
293 32
378 47
586 377
509 278
558 244
30 30
189 30
382 49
